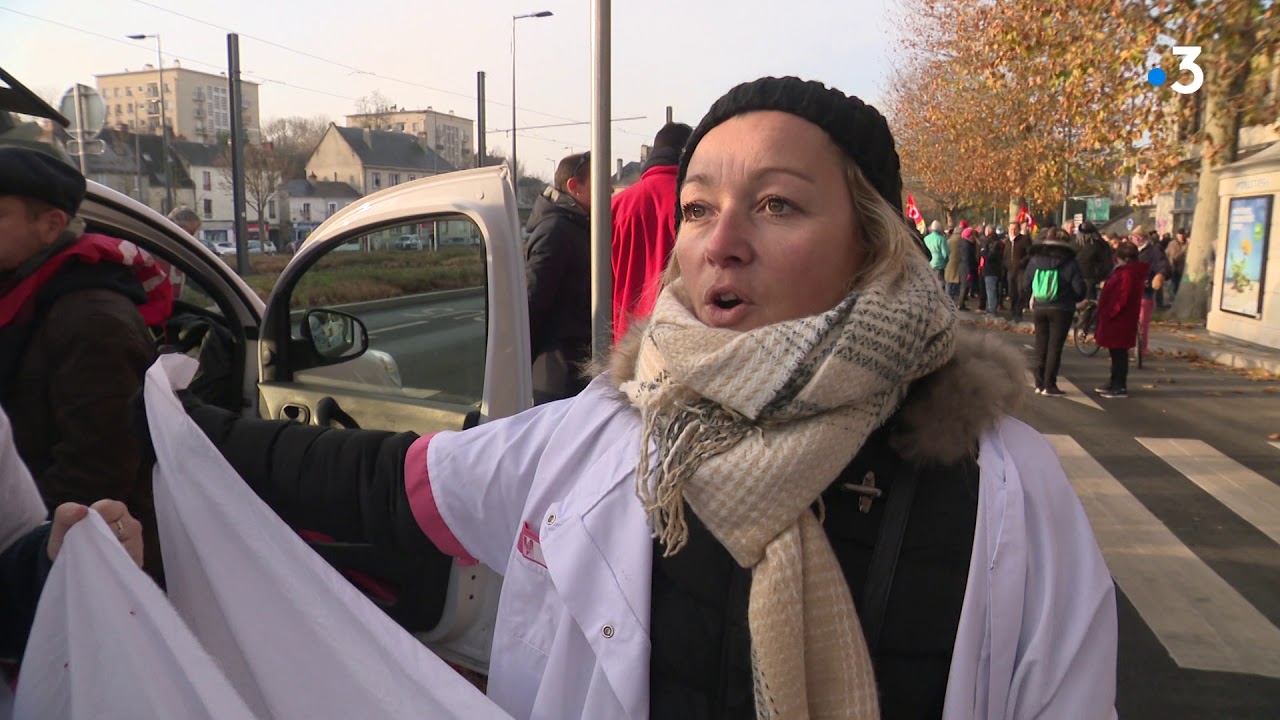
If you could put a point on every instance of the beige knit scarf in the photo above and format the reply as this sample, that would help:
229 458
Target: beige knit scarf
750 428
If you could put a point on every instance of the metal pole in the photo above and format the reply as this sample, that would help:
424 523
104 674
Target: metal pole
137 151
668 114
601 215
515 175
237 155
481 150
164 131
75 90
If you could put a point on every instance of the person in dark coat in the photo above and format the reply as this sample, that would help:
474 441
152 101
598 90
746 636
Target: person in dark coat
74 341
1017 255
1118 307
960 252
558 272
1096 258
1055 284
1158 271
992 253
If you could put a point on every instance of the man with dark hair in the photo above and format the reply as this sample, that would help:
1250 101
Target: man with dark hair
74 343
644 230
558 272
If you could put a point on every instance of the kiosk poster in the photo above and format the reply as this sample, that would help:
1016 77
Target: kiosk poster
1248 229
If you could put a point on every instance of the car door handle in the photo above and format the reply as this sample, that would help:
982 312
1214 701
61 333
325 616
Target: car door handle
328 412
296 413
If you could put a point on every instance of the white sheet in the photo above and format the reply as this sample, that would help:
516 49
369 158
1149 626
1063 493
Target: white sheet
295 638
107 645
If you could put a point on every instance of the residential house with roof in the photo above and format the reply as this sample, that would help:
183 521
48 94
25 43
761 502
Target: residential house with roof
306 203
211 192
373 160
133 164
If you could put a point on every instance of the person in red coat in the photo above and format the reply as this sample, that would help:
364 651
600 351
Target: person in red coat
1118 308
644 230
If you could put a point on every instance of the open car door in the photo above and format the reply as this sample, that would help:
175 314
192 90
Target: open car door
447 323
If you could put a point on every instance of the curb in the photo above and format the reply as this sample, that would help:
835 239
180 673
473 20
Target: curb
1228 358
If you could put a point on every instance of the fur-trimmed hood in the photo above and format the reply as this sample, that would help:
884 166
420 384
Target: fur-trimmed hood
944 414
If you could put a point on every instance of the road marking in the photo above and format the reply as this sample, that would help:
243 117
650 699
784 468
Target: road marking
1198 617
389 328
1248 494
1276 445
1072 393
1029 347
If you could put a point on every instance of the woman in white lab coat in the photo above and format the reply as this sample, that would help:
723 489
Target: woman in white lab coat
797 492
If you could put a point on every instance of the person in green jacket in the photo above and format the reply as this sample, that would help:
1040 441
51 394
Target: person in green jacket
938 251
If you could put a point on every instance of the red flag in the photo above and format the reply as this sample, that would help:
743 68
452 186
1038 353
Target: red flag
1024 218
913 214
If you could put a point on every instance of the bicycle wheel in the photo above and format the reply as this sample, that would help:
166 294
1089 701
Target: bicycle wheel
1084 332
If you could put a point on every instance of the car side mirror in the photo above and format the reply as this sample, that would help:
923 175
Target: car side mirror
334 336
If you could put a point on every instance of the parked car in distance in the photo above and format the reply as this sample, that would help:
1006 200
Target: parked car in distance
408 242
224 247
269 248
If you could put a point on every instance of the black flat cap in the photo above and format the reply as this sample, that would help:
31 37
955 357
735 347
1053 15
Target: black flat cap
33 174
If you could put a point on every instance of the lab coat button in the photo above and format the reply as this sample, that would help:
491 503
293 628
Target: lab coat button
551 519
607 631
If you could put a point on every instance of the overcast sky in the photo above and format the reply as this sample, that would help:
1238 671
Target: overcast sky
683 53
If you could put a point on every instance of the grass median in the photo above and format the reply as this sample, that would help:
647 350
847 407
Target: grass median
350 277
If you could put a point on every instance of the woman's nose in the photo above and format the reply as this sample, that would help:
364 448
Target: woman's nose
729 242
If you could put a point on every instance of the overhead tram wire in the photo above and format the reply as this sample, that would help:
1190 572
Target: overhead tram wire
352 68
261 79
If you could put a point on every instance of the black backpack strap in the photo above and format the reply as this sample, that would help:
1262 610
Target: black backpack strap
884 559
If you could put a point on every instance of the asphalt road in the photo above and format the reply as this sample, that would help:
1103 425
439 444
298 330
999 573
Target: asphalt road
437 345
1182 485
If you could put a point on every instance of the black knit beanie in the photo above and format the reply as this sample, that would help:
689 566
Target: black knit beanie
856 127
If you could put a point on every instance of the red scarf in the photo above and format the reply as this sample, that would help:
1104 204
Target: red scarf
90 249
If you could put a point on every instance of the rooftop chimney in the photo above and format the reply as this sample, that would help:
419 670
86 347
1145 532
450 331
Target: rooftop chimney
368 137
619 168
644 153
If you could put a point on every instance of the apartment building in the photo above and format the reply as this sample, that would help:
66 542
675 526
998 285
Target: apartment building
197 104
446 133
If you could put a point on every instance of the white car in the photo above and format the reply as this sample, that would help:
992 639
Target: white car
224 247
422 361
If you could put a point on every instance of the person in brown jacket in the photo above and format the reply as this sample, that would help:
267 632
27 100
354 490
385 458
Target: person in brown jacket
1017 253
74 341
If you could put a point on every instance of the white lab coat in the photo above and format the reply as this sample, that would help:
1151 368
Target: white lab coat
548 498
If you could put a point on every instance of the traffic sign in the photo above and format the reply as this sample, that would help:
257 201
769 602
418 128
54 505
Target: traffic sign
1129 224
83 106
86 147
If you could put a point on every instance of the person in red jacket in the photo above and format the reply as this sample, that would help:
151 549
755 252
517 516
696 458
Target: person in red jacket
644 230
1118 308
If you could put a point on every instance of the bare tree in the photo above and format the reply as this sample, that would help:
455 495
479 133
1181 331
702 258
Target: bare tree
262 177
293 140
372 107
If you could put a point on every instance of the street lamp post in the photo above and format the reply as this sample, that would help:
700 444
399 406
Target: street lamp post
164 130
515 175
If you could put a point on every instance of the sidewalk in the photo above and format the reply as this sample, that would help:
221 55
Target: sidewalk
1168 338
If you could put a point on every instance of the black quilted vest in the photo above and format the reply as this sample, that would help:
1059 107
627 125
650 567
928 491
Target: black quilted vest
700 665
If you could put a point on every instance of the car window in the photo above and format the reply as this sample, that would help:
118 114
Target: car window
424 306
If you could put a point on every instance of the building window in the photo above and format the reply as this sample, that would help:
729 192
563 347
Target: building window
333 208
208 207
128 92
306 211
271 210
412 178
393 179
130 107
206 180
417 126
377 180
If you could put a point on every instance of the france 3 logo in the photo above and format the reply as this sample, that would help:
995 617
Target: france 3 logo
1188 53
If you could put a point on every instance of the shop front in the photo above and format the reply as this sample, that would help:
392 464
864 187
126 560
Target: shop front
1246 300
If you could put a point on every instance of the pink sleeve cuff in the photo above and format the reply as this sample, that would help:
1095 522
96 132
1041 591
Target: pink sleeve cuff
417 485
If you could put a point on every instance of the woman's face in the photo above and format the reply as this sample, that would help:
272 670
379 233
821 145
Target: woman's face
767 231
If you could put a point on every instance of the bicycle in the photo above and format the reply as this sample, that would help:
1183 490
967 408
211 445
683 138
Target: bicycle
1084 328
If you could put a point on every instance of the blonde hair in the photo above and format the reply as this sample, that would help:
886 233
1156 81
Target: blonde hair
886 239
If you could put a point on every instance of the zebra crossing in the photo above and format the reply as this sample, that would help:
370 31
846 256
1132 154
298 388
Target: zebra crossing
1202 621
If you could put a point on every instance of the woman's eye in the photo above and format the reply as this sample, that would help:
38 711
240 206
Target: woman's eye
776 205
693 211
